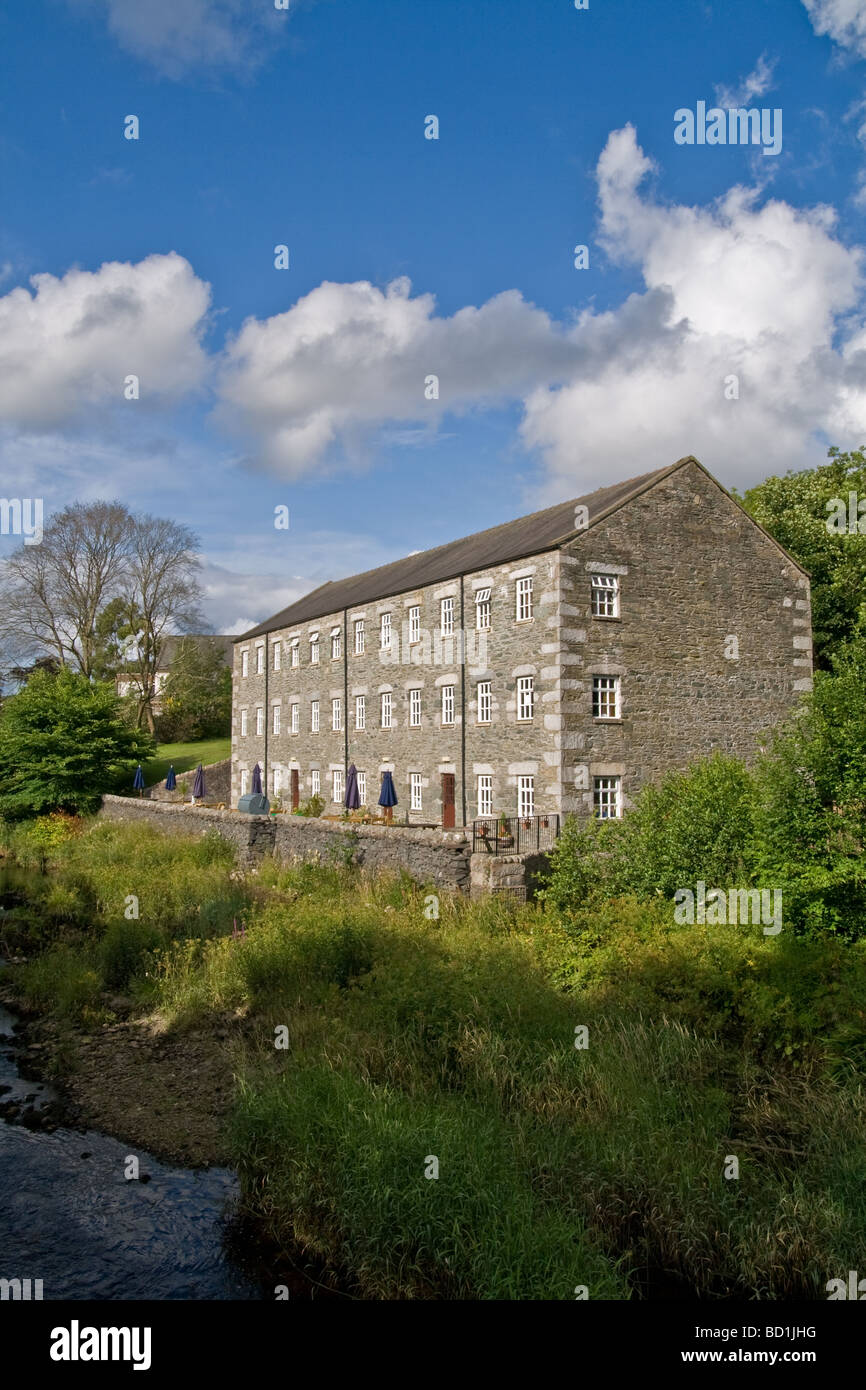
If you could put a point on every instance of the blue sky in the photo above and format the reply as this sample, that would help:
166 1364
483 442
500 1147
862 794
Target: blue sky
409 257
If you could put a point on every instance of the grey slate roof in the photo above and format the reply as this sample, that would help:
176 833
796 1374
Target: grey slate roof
513 540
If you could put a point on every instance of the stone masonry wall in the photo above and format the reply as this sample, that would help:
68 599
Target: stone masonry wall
514 875
503 748
698 583
217 784
441 858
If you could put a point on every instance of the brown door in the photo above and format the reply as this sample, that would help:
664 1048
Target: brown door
447 800
295 789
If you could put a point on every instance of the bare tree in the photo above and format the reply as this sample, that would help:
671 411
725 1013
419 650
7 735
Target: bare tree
97 560
52 593
163 585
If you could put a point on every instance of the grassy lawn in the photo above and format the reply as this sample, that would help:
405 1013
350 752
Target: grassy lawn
185 756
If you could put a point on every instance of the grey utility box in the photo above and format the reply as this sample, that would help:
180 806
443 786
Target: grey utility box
255 804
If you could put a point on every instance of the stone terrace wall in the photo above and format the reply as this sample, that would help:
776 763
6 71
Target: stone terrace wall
217 784
441 857
517 875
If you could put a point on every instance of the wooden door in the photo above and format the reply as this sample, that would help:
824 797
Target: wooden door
447 800
296 792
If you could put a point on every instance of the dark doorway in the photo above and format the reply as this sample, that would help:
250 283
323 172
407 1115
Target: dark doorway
447 800
296 792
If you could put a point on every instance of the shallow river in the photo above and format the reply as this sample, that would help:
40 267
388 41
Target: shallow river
69 1216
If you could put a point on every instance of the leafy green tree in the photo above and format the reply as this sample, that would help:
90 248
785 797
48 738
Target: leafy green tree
812 805
63 743
795 509
118 627
810 816
197 697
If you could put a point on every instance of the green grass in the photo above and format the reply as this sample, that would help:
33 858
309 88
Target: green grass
411 1039
75 925
185 757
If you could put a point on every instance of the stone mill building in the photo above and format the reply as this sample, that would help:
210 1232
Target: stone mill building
549 665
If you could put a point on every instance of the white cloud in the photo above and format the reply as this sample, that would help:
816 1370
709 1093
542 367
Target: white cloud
69 345
759 81
234 600
243 584
761 292
843 20
747 287
349 358
175 36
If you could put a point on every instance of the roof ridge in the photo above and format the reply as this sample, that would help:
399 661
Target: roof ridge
622 490
500 526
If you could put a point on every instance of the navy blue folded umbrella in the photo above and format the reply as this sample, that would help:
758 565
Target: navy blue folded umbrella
171 780
138 780
353 798
387 796
198 784
257 780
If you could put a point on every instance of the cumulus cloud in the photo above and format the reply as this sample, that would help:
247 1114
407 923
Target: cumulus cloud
745 345
764 294
843 20
68 344
175 36
759 81
235 600
243 583
348 358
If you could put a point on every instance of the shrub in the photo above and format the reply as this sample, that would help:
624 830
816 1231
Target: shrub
63 742
62 979
34 842
577 865
693 825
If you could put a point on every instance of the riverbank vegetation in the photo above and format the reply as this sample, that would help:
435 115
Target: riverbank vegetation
415 1106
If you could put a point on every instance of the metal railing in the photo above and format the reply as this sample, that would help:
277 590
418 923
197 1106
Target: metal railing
514 834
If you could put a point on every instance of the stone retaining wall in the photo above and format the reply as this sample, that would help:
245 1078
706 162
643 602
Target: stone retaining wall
217 784
514 874
443 858
440 857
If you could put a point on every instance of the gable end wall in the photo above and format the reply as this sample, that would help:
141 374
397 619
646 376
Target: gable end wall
695 572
